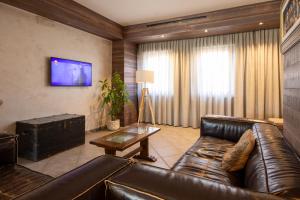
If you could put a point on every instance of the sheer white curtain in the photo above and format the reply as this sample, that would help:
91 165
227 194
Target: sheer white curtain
237 74
162 90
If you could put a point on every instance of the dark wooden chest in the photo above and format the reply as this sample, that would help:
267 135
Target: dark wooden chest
42 137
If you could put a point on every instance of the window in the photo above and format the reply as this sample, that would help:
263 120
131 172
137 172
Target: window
162 65
211 69
215 71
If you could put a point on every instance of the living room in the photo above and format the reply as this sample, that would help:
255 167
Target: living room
149 99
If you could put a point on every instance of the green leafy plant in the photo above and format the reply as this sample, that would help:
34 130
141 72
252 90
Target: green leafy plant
114 95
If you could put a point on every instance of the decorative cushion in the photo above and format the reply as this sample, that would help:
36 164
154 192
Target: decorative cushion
235 158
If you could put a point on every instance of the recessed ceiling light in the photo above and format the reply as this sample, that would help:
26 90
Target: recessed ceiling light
162 36
261 23
205 30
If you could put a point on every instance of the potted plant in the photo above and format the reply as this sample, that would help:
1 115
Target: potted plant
114 96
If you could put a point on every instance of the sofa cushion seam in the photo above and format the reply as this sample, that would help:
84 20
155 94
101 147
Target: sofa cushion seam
103 179
132 188
262 157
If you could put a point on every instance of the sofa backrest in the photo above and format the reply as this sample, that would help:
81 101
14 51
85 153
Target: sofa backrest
224 127
272 166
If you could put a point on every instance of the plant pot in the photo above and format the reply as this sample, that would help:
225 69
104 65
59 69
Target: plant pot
113 125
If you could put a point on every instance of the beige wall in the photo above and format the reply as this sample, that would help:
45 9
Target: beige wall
26 43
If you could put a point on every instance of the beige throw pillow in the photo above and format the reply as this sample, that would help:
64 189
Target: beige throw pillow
236 157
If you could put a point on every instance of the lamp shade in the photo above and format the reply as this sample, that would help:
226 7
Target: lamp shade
144 76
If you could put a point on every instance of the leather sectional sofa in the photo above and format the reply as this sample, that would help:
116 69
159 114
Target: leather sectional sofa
272 171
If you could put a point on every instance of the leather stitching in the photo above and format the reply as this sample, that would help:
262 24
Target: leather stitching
134 189
103 179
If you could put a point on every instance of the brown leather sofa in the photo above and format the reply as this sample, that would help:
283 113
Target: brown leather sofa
272 167
272 172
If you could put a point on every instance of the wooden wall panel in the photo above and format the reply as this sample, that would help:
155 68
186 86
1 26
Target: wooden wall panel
73 14
291 100
130 67
239 19
125 62
233 20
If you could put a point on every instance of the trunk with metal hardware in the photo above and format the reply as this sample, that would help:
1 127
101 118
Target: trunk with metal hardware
42 137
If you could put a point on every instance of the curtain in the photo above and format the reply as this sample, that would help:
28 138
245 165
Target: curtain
237 75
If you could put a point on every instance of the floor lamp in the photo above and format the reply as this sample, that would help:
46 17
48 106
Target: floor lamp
143 77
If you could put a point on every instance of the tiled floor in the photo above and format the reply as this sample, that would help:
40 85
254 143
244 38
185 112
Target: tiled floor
167 146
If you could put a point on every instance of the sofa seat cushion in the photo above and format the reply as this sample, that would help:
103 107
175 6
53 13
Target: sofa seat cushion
204 159
16 180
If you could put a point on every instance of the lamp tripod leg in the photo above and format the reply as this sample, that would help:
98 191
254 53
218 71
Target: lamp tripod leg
141 108
150 107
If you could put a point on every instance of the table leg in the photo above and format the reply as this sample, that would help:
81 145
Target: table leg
144 153
110 152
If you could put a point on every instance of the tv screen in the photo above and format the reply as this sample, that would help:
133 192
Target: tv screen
70 72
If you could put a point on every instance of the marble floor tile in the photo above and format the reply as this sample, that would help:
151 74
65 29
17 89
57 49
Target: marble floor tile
171 160
167 146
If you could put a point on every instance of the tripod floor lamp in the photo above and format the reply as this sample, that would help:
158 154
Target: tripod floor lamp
143 77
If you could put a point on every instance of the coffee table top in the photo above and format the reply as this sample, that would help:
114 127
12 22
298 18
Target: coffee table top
126 137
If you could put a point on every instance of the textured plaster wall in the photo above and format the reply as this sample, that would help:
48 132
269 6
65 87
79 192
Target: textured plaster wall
26 43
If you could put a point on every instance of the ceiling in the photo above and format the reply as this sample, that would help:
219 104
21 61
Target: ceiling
129 12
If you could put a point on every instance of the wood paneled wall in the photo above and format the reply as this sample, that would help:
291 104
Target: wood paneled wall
124 61
232 20
73 14
291 100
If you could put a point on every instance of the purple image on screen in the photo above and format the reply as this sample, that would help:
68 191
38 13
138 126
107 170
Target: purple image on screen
70 73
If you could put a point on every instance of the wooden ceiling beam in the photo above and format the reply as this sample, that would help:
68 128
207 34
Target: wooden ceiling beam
71 13
233 20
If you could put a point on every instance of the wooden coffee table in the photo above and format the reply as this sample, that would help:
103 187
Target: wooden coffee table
125 138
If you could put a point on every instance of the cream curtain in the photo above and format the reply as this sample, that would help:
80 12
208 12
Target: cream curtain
236 74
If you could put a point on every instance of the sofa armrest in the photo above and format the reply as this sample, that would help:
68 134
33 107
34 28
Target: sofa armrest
225 127
84 182
8 149
141 181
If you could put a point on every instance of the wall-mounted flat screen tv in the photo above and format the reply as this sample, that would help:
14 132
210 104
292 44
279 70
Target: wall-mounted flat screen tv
66 72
